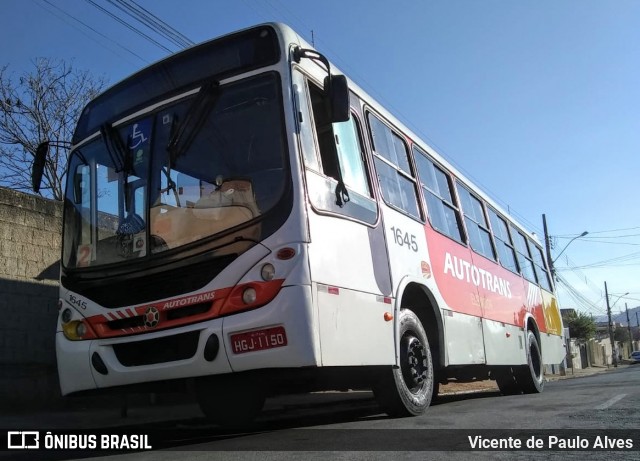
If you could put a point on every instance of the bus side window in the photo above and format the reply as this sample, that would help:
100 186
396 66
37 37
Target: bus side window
540 267
477 227
391 158
504 244
437 188
524 257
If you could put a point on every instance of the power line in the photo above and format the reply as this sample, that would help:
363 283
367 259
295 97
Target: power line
69 15
153 22
617 243
606 262
129 26
579 298
612 236
594 287
599 232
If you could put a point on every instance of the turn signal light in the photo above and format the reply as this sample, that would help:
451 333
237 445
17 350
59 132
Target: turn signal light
77 330
285 253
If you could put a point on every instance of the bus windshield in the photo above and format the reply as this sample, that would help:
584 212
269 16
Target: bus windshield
146 198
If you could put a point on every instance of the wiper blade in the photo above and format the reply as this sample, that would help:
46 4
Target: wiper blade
115 147
185 132
120 156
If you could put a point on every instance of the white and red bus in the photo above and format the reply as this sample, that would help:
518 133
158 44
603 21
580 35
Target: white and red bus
241 217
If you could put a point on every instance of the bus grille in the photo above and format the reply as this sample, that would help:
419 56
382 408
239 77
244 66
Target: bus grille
176 314
133 289
159 350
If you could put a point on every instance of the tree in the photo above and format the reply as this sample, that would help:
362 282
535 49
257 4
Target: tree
42 105
581 326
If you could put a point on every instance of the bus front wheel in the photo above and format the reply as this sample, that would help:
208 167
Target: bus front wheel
407 390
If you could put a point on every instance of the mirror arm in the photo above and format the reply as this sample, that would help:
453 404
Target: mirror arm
40 161
299 53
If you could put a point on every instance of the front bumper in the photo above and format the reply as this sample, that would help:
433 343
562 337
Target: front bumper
183 352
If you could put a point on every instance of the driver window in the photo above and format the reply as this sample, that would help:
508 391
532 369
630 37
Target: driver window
335 144
339 141
351 156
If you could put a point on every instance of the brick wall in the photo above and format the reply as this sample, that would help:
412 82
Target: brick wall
30 238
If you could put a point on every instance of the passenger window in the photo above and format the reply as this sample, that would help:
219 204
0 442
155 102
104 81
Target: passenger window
476 221
389 145
524 256
540 267
392 165
442 210
504 244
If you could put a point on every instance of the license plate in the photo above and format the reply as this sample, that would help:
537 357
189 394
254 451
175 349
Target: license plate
258 340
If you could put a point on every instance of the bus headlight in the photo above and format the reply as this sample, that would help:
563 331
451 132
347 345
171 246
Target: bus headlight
81 330
268 272
249 295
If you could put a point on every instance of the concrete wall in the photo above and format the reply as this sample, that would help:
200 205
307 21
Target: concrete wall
30 239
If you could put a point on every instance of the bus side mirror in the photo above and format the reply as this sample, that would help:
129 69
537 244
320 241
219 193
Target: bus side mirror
39 162
338 97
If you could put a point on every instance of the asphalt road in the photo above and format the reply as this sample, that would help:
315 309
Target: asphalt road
570 412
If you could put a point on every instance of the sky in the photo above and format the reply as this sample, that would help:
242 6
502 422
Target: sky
536 101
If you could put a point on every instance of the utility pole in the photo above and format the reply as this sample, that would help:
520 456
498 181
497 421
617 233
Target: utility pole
629 328
547 246
613 345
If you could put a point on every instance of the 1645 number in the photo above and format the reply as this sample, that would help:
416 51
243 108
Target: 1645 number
404 239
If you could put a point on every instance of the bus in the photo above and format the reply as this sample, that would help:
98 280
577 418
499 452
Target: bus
243 220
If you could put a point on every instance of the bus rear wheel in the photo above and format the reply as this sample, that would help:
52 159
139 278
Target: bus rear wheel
230 400
506 381
407 390
530 377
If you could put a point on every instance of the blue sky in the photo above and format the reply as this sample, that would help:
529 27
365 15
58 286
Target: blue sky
537 101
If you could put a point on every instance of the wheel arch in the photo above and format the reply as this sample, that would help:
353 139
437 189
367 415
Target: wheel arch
531 324
421 300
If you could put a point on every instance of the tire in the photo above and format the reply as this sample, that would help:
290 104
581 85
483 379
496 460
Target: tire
436 387
506 382
407 390
230 400
530 377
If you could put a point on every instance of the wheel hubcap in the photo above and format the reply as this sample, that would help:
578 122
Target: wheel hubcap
414 363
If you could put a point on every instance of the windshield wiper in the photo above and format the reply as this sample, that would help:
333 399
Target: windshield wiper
183 133
120 156
115 146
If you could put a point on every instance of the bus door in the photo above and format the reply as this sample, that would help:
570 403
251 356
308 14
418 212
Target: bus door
348 259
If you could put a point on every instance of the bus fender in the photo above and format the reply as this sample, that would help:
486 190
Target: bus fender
414 294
